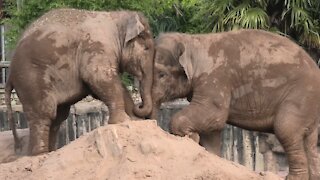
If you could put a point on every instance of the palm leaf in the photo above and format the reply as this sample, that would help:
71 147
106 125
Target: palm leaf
235 15
310 38
254 18
298 15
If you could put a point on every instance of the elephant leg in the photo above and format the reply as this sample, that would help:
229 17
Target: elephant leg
39 126
105 83
211 142
311 141
194 119
288 130
62 114
39 112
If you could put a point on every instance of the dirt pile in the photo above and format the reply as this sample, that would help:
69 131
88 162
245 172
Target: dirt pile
132 150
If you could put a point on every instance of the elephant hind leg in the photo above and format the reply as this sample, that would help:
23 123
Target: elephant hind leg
311 141
62 114
211 142
297 159
291 135
40 113
39 132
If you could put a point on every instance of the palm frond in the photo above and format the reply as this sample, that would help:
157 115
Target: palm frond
298 15
262 3
298 3
221 6
234 16
254 18
310 38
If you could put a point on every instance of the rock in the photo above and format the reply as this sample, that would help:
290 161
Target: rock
143 151
147 147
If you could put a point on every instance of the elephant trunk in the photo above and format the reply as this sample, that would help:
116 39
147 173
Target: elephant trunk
145 91
155 111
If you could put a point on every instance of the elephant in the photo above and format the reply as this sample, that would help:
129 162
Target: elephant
253 79
68 54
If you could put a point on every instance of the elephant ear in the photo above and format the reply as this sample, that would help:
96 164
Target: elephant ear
184 60
134 28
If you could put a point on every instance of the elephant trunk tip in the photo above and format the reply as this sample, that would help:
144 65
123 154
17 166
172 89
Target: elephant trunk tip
142 112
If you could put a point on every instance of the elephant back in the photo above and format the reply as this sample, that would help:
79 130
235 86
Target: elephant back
65 17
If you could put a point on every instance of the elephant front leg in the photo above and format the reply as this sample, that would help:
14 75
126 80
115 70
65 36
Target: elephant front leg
105 83
196 119
112 96
211 142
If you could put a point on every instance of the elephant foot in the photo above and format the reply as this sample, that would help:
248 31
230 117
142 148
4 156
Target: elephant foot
38 151
297 177
119 118
194 136
18 147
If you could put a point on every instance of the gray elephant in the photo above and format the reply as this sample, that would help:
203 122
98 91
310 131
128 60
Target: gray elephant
252 79
68 54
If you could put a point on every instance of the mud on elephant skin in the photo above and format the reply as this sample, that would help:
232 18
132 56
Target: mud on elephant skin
68 54
252 79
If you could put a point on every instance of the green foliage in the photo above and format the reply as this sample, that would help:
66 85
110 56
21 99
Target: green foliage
298 19
162 18
126 79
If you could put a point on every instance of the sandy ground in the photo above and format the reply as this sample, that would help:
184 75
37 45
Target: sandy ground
132 150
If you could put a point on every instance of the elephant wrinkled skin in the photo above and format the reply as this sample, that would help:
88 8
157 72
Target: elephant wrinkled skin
252 79
68 54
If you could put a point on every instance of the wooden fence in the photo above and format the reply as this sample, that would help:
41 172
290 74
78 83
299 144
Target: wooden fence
4 69
257 151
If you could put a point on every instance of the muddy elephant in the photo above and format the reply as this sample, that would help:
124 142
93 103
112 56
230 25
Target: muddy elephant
68 54
252 79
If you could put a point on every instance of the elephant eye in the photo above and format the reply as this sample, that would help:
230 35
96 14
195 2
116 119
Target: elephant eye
142 35
162 74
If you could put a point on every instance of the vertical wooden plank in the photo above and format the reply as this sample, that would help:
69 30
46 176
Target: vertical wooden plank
78 126
2 119
227 151
97 120
61 135
71 127
247 149
81 125
105 117
23 120
236 145
66 122
6 120
85 123
17 119
74 126
259 165
90 116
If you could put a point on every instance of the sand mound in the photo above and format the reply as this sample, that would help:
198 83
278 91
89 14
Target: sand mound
132 150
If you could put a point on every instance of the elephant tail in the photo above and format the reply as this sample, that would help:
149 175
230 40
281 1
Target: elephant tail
8 90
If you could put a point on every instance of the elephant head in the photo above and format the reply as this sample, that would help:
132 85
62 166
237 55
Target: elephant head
170 78
137 56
